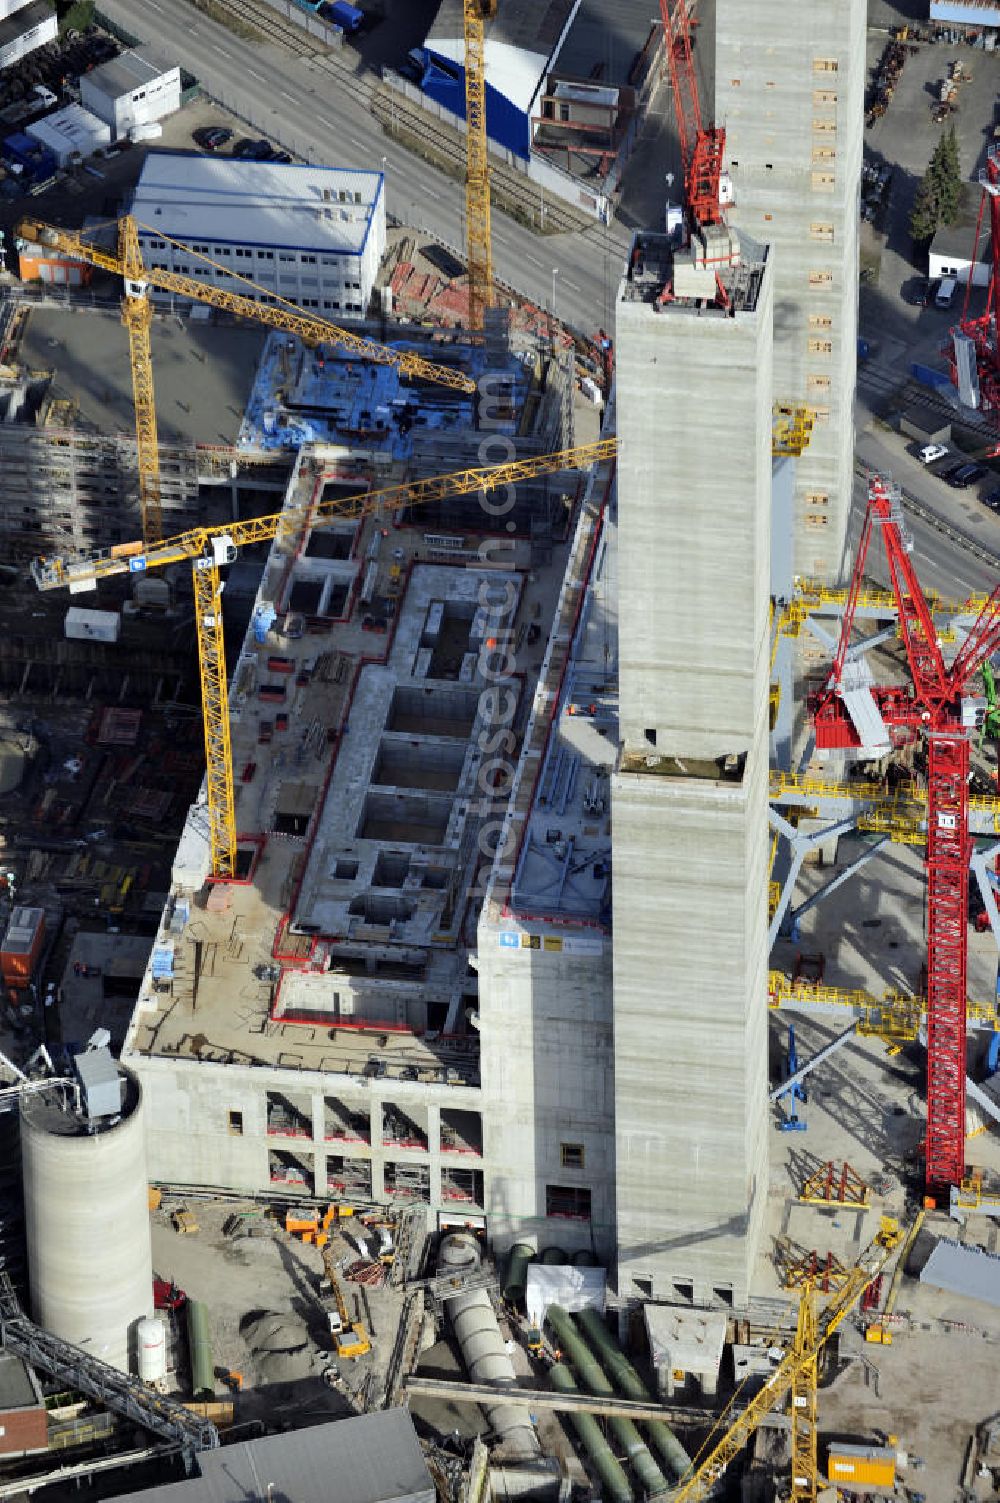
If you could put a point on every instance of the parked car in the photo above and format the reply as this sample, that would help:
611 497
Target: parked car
966 475
992 500
213 137
945 293
950 470
245 147
931 453
262 151
283 157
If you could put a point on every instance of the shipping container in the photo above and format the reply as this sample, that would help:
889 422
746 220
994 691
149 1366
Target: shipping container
862 1466
92 626
22 945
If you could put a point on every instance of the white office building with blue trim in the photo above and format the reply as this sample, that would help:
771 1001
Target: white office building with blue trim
311 235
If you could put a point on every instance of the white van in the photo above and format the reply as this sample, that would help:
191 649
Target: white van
945 293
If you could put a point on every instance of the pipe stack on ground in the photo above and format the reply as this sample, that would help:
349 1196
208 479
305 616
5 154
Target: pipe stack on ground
593 1381
617 1488
628 1382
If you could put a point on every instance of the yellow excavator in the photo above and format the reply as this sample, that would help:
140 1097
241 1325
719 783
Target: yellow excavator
348 1338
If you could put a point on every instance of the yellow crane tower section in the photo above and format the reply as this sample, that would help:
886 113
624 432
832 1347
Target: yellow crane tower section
137 316
795 1375
209 548
478 234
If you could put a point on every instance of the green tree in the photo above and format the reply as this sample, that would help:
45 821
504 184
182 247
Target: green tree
939 195
948 177
924 214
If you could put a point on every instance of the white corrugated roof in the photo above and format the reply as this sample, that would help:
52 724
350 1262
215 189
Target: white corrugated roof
72 128
256 203
512 71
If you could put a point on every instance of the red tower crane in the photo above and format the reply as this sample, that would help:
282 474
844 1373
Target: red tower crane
702 146
851 713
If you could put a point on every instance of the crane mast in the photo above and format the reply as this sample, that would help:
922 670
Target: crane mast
478 233
137 316
702 146
796 1374
933 708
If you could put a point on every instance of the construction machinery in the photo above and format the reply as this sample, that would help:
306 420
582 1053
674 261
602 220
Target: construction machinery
853 716
991 720
137 315
796 1376
702 146
478 233
209 549
348 1337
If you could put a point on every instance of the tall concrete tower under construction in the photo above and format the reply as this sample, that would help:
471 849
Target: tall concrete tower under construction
689 800
789 89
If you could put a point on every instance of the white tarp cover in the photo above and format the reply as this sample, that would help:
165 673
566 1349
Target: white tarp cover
563 1284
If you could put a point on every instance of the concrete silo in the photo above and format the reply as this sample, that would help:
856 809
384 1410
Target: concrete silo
86 1210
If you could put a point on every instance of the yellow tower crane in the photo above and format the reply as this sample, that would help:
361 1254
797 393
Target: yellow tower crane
209 548
478 235
795 1376
137 315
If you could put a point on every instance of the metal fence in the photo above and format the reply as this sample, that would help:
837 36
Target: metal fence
323 31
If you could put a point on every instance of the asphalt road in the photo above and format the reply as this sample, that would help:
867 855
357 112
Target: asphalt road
301 105
941 563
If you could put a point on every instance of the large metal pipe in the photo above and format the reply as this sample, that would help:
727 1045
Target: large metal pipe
591 1437
484 1352
519 1257
593 1380
628 1382
200 1350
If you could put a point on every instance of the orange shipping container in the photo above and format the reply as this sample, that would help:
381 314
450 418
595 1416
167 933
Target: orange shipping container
22 945
862 1466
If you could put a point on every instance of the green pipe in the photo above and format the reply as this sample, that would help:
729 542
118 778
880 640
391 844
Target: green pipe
593 1380
616 1484
629 1383
516 1281
200 1350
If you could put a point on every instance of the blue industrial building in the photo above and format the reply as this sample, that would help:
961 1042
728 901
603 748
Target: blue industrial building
521 44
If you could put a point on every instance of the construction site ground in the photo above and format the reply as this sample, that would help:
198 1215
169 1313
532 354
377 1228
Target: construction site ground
866 1106
262 1271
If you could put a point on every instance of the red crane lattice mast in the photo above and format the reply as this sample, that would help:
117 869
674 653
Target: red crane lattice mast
702 146
845 714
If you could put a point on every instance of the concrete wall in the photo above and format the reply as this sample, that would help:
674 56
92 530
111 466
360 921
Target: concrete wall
690 1031
789 87
694 396
690 958
547 1070
206 1124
